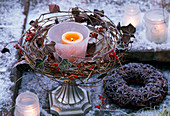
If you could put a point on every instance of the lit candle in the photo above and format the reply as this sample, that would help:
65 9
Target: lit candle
156 23
27 104
131 15
72 38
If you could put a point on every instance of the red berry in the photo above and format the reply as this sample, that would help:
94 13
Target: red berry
56 73
56 64
114 53
91 67
76 76
17 47
80 73
110 55
103 102
100 96
32 34
72 78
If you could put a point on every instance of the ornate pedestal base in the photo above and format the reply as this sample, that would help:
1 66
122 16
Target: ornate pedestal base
69 101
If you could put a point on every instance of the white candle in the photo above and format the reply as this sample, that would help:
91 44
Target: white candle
156 23
72 38
66 48
27 104
131 15
158 33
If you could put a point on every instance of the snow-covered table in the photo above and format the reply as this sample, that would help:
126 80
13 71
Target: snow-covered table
143 50
11 26
11 23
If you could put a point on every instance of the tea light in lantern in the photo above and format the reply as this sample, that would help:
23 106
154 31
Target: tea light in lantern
156 23
27 104
131 15
72 38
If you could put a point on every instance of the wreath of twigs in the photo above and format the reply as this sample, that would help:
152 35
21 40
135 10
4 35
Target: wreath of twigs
106 48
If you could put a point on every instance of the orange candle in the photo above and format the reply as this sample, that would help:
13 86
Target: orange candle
72 38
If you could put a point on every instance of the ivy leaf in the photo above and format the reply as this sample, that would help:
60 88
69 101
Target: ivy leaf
99 12
39 42
119 26
132 36
49 48
93 20
64 64
34 23
120 47
130 29
56 21
40 63
4 50
75 11
130 41
53 8
91 48
22 65
81 18
125 38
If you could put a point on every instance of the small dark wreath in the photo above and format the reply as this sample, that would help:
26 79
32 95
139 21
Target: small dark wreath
153 91
111 44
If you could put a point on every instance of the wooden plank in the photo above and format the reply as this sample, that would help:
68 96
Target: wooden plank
17 74
149 55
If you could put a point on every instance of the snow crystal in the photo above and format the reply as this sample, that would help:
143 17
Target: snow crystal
11 21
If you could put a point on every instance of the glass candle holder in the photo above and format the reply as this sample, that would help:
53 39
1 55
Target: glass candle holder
156 23
27 104
69 51
132 15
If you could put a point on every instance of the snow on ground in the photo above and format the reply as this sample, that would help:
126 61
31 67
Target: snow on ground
113 9
30 82
11 21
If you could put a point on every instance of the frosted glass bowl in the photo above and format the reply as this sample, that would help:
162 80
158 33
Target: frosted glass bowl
156 24
27 104
68 51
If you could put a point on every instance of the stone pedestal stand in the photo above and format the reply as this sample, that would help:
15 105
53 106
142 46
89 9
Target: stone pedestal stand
69 100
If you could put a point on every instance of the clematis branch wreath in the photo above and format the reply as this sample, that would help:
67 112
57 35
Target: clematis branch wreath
106 48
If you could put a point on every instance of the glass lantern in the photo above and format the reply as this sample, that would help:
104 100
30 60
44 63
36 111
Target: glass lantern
27 104
132 15
156 23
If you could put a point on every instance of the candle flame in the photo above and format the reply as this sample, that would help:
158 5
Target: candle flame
71 39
